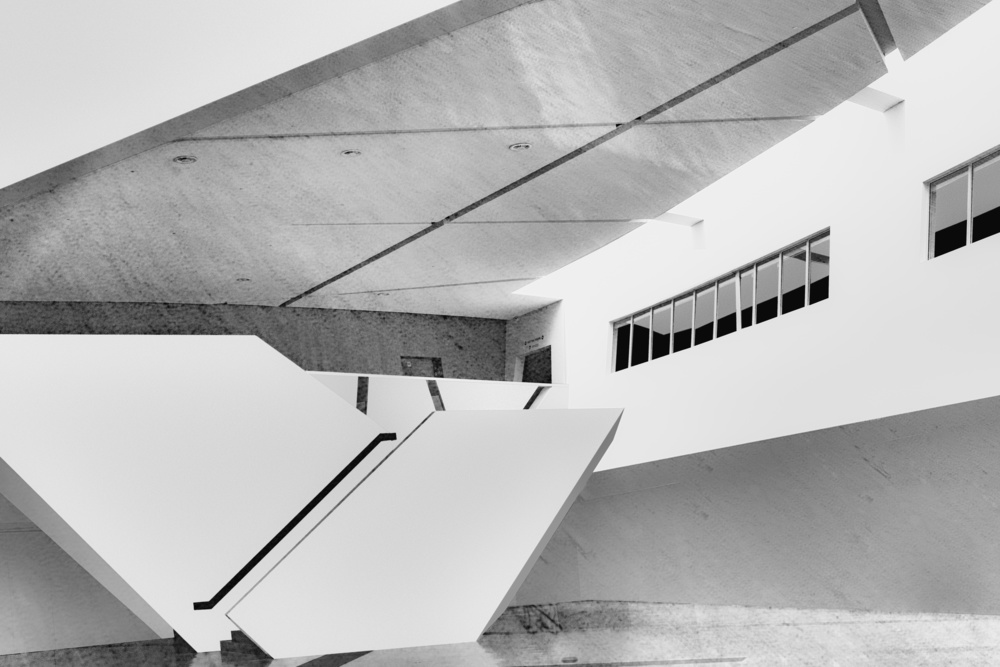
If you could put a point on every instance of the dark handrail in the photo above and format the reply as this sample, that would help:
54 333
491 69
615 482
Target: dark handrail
310 506
534 397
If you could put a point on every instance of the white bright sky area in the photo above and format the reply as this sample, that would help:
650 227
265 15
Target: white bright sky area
77 76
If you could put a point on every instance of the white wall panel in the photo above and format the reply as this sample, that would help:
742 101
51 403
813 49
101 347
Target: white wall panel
430 549
173 459
342 384
899 332
481 395
397 404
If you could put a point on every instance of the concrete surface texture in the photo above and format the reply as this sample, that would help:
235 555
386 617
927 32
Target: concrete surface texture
317 340
623 634
628 109
893 515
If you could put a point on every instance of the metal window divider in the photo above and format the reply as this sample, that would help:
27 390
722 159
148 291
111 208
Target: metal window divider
649 336
673 309
781 262
715 318
968 210
808 295
739 300
631 339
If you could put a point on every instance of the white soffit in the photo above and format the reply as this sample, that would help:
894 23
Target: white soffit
430 549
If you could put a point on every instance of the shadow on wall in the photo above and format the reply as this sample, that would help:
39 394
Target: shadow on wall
896 514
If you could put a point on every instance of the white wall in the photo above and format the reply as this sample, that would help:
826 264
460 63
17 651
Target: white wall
47 600
899 332
431 548
162 464
533 331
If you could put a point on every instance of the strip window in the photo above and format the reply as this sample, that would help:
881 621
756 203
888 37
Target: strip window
965 205
782 282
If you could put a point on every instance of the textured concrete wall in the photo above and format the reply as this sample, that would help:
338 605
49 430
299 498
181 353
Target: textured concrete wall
47 600
532 331
900 514
318 340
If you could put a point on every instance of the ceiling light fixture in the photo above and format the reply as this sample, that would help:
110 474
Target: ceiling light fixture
351 152
382 294
185 159
242 280
522 146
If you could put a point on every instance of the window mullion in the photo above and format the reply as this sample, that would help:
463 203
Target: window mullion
968 211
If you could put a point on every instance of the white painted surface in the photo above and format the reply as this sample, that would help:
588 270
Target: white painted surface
47 601
555 397
60 107
431 547
397 404
899 333
174 458
482 395
342 384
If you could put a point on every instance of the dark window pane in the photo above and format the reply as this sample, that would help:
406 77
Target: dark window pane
986 199
949 216
704 316
640 339
767 290
819 269
683 312
746 299
726 317
622 331
661 331
793 279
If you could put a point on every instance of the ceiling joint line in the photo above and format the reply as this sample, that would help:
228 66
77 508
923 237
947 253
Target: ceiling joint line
443 285
878 25
374 258
621 129
463 222
484 128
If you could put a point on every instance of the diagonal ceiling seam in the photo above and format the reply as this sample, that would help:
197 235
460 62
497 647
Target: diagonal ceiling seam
488 128
620 129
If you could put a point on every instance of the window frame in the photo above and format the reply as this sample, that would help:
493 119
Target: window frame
736 275
968 169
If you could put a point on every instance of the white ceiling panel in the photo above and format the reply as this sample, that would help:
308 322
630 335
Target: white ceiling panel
917 23
640 173
272 208
471 259
808 78
493 300
551 62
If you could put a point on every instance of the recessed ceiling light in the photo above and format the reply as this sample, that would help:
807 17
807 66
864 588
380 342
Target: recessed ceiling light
382 294
569 660
522 146
185 159
351 152
242 280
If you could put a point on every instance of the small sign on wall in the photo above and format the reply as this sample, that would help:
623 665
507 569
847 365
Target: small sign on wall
534 343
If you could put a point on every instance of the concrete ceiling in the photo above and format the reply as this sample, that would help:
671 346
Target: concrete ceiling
629 107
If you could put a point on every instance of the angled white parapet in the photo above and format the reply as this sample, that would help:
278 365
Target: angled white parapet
433 545
163 464
485 395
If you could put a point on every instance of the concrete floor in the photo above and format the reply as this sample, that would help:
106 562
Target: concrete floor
635 634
